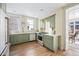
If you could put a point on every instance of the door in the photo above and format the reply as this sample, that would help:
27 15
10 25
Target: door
2 31
72 25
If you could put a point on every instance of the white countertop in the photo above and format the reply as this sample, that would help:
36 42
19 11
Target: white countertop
52 34
24 33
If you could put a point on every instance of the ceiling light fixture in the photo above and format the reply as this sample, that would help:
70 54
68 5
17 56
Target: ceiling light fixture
41 9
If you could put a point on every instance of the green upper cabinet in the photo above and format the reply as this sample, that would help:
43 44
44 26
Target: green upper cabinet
50 19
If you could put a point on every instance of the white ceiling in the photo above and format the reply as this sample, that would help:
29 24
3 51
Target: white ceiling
33 9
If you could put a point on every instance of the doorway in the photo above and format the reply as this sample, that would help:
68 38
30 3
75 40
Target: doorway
72 28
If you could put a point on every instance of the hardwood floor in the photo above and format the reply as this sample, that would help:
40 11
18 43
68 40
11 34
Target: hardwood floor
32 49
35 49
73 50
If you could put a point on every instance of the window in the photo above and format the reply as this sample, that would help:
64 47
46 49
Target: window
30 24
48 29
77 25
74 13
14 25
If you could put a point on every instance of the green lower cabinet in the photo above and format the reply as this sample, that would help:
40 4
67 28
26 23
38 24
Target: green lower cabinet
19 38
50 42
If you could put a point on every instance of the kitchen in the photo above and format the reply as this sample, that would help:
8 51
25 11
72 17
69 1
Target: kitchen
38 28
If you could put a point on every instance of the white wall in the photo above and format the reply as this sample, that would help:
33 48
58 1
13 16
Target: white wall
60 26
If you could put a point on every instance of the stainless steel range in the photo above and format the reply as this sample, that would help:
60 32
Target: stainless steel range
40 37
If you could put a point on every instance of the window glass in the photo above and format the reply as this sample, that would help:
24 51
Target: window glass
48 28
13 25
30 24
77 22
77 27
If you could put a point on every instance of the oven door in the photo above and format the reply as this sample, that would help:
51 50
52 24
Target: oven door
40 37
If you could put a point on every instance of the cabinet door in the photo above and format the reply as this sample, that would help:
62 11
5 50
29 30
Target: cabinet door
48 42
32 37
25 37
19 38
52 21
13 39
